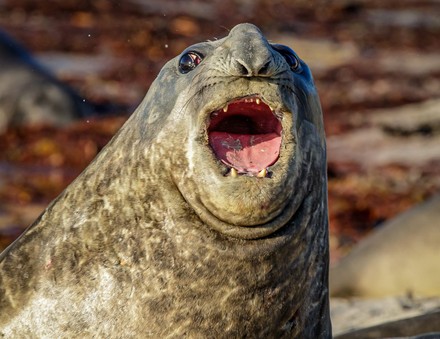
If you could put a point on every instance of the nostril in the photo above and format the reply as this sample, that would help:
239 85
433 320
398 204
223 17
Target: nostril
242 69
263 70
247 69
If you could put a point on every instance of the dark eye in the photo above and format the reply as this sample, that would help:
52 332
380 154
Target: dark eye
288 55
189 61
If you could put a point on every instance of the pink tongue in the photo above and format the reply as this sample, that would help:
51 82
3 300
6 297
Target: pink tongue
246 152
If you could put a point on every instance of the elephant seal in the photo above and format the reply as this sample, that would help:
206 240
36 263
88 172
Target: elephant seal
30 94
205 216
401 257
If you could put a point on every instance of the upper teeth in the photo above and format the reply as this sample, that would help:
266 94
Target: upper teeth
247 100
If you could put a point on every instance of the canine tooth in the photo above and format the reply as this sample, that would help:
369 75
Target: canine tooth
225 109
262 173
257 101
233 172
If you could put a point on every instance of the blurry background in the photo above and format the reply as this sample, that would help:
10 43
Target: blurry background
376 65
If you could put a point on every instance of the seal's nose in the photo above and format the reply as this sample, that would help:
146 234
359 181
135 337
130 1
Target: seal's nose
250 53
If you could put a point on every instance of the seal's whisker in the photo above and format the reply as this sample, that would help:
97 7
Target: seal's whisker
191 98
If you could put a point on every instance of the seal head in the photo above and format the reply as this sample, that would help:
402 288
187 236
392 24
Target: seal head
248 127
205 216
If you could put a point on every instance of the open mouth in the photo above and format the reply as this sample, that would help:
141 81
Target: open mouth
246 136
